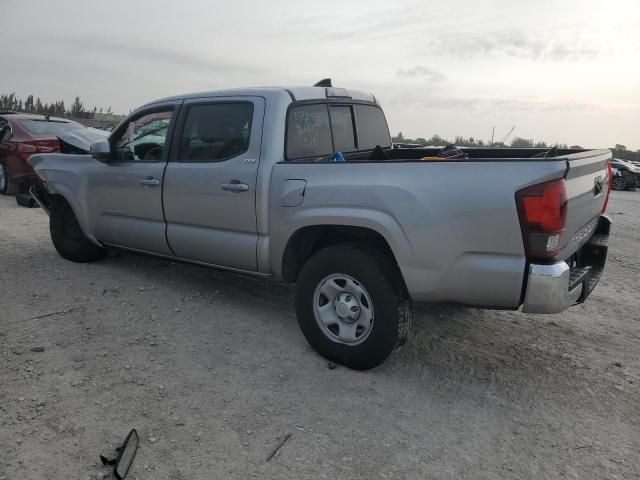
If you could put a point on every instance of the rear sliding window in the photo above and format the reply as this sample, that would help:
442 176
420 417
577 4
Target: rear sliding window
48 127
318 130
342 127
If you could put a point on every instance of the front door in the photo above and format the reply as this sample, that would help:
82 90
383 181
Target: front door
210 181
126 192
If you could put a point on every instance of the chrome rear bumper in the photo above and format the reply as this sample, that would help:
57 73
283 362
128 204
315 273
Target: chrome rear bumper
554 288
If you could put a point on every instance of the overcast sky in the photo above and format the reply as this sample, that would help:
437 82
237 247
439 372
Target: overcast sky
562 71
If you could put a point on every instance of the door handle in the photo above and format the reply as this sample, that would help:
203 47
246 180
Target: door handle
150 182
235 186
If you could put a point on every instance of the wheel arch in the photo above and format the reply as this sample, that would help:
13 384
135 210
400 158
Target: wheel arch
65 193
306 241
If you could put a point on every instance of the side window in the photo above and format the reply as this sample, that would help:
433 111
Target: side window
144 138
308 132
342 127
216 132
372 127
5 130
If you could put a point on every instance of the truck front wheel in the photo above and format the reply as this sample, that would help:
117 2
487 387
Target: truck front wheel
351 306
67 236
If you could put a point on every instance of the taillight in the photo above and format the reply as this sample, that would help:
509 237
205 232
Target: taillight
542 210
26 149
44 148
609 182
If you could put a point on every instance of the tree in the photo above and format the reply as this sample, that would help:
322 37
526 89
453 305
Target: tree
520 142
77 106
38 106
60 108
28 104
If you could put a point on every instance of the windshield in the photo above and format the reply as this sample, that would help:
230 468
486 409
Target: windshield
48 127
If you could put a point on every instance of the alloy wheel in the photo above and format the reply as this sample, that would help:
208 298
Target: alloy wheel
619 183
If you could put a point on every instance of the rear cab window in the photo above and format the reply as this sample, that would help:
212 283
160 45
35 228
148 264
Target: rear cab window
372 127
315 131
308 132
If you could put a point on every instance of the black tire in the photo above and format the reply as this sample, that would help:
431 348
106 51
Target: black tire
67 236
7 187
392 308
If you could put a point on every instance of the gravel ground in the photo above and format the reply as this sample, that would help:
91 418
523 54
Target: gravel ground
213 371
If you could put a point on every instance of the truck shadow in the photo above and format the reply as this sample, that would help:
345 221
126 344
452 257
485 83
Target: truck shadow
449 342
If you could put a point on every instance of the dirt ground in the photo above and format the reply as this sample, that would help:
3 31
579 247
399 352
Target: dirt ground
212 370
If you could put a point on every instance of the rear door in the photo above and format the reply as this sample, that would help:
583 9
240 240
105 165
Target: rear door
126 193
210 181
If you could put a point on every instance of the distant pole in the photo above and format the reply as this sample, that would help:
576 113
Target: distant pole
493 131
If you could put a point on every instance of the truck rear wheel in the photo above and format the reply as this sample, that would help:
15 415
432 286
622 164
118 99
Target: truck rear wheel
67 236
351 306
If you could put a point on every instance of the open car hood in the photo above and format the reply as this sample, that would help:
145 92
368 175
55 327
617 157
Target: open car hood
79 141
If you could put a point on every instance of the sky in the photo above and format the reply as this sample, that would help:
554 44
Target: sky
564 71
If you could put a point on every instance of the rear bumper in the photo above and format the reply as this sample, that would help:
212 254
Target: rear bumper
554 288
19 170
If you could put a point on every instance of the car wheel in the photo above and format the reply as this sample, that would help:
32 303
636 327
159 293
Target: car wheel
7 187
619 183
351 306
67 236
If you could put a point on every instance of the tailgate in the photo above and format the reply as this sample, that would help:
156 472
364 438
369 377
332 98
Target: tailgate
587 187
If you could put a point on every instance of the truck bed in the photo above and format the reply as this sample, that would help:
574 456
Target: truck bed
452 224
475 154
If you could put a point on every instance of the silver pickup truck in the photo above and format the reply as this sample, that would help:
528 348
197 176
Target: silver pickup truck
302 184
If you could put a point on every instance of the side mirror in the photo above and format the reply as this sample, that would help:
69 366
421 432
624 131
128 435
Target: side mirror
101 150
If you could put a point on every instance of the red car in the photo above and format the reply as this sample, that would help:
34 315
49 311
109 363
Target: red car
22 135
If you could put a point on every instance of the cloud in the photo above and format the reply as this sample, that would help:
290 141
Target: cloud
161 57
511 44
425 73
483 105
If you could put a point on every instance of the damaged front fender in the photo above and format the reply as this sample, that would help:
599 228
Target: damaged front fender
79 141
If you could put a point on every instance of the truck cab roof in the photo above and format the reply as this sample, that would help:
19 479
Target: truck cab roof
296 93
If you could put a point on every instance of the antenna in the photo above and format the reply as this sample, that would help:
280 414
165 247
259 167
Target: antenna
325 82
